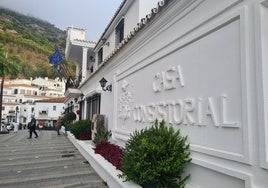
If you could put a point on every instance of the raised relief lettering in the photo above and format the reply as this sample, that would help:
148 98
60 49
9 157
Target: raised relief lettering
202 112
223 111
199 107
167 80
158 81
180 76
178 112
151 113
211 113
189 107
161 109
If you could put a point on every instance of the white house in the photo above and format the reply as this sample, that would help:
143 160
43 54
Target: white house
47 111
201 65
19 96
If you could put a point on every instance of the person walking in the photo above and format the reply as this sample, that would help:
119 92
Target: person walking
32 126
15 125
59 124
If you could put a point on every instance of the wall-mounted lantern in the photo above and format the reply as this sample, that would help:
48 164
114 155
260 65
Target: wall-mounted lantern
105 42
103 83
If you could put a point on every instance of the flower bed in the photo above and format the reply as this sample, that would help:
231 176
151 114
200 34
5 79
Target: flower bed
110 152
155 156
106 170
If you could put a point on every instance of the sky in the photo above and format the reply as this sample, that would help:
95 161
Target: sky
92 15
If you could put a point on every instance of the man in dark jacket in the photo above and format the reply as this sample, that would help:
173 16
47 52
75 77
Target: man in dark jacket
32 126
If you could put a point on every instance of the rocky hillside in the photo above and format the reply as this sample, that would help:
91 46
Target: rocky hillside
32 40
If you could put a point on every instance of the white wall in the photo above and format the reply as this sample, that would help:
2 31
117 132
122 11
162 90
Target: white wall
145 7
197 66
47 106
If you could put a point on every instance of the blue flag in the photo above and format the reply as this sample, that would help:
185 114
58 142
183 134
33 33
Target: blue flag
55 58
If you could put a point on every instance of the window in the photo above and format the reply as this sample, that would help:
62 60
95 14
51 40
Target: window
100 56
119 32
43 112
54 108
93 105
15 91
22 91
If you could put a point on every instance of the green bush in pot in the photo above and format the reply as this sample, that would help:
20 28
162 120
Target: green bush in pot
156 157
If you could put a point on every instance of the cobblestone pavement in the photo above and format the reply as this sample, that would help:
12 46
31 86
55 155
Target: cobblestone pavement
44 162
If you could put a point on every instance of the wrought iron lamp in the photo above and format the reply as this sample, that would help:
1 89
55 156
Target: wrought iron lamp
103 83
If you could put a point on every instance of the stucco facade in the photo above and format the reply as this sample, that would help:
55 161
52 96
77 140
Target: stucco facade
200 65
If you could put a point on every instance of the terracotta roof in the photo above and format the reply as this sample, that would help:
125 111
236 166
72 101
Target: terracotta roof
18 85
87 41
54 100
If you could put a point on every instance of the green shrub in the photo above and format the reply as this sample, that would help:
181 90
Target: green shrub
68 118
155 157
102 135
80 127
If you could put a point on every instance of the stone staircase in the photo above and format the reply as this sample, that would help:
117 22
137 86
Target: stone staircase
49 161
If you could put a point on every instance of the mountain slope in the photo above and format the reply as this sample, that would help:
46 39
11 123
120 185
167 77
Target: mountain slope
32 40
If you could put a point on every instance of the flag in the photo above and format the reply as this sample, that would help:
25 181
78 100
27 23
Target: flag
55 58
59 68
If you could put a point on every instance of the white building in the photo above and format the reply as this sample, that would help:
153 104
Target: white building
47 111
201 65
19 96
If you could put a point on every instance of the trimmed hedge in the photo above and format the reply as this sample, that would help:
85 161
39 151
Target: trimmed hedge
81 129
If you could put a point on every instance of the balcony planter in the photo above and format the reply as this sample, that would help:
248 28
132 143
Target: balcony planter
106 170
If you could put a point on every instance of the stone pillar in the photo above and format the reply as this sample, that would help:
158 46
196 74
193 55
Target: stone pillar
97 125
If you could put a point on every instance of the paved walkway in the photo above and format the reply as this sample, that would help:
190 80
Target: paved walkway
44 162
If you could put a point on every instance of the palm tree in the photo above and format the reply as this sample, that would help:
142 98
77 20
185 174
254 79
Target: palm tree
9 67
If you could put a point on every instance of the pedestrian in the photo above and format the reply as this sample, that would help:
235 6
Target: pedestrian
32 126
59 121
15 125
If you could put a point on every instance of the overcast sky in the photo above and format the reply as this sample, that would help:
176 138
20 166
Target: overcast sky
92 15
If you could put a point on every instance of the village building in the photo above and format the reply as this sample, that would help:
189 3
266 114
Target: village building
19 96
47 111
200 65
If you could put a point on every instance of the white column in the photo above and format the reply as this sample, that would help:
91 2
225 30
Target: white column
84 64
85 109
77 70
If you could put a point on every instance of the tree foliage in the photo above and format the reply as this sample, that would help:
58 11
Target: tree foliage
32 40
10 66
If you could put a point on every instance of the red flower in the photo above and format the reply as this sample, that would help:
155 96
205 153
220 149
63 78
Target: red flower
86 135
110 152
